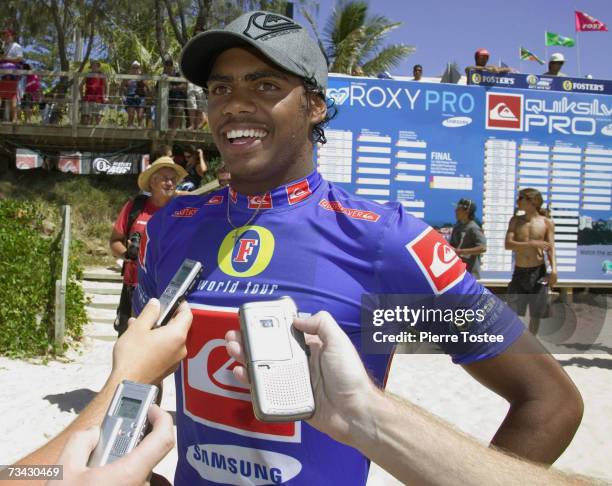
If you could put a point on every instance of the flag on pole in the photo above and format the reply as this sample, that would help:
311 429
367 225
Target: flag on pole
586 23
552 39
529 56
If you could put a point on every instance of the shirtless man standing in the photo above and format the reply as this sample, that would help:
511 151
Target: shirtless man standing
530 235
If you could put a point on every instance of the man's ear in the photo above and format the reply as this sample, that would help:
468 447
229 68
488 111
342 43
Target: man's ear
318 108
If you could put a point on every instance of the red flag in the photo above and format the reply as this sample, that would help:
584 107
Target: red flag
586 23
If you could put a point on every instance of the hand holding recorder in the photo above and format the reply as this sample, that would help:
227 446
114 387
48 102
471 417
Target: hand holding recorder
351 409
340 383
132 469
148 355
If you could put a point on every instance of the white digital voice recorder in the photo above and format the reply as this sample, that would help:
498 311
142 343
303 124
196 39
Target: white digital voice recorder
277 361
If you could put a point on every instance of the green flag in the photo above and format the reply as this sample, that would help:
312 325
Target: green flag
553 39
529 56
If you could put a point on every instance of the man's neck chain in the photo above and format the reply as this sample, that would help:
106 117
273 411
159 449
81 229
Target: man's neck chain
249 221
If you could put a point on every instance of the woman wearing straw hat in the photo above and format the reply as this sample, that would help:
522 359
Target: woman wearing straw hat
160 180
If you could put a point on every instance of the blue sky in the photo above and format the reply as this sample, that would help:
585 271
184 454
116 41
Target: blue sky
451 30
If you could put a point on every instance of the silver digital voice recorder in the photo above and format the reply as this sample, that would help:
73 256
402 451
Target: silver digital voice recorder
181 284
125 422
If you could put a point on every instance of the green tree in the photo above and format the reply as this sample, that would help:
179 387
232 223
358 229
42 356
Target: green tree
65 34
353 40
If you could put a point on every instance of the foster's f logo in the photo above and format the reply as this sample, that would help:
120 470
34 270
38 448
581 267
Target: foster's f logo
245 250
249 255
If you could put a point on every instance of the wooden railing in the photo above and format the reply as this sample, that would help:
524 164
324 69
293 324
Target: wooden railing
61 102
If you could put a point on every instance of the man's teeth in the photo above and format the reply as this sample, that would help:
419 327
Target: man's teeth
251 132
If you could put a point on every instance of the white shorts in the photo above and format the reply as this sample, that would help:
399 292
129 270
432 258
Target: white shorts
196 100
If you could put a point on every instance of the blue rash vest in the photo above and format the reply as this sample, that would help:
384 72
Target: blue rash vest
323 247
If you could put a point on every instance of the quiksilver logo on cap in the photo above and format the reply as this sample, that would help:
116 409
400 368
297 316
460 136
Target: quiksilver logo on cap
262 25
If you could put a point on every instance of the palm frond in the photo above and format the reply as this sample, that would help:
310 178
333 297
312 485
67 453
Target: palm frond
345 18
347 52
352 37
375 35
389 57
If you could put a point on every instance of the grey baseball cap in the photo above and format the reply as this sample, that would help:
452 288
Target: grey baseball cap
466 204
280 39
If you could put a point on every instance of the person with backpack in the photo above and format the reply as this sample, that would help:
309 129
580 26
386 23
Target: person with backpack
160 180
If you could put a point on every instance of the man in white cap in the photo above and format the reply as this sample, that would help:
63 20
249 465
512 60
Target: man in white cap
160 180
555 63
280 229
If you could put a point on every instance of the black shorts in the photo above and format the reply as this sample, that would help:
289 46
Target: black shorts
124 311
526 288
28 101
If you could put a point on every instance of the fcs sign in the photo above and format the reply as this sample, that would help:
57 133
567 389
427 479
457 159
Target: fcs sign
249 254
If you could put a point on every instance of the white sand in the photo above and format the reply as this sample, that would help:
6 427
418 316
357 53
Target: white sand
37 401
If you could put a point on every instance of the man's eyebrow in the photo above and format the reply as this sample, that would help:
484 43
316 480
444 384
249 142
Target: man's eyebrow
265 74
254 76
219 77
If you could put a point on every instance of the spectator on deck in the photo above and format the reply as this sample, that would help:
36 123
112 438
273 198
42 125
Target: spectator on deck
197 106
135 91
11 59
54 106
12 50
177 96
95 95
555 63
481 58
32 93
417 72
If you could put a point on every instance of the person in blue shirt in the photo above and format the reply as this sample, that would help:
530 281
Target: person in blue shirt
281 229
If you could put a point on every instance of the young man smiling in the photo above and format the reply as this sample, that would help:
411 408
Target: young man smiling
280 229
